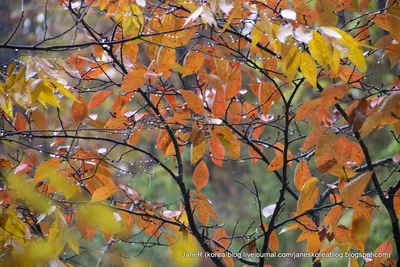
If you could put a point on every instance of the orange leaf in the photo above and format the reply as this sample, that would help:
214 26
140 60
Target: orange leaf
313 137
276 163
342 150
396 203
307 107
200 175
334 215
324 13
98 98
5 163
79 110
135 136
385 247
194 102
332 94
38 119
234 83
219 105
134 80
313 243
165 59
308 196
301 175
217 150
351 192
193 61
103 193
221 237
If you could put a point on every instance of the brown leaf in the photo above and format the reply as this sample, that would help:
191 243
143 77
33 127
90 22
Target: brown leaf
357 116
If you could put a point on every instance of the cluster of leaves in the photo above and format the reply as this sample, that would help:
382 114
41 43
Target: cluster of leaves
216 78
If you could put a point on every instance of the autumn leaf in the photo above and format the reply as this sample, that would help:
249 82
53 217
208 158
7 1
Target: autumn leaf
292 63
5 163
385 247
79 110
194 102
301 175
352 191
134 80
19 122
319 50
325 13
308 68
396 203
103 193
193 61
98 98
222 237
200 175
308 196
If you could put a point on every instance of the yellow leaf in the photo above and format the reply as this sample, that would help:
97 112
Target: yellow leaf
308 68
308 196
231 16
185 245
108 220
180 69
73 243
256 34
27 193
352 262
355 53
104 192
197 152
291 63
360 228
228 141
319 50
